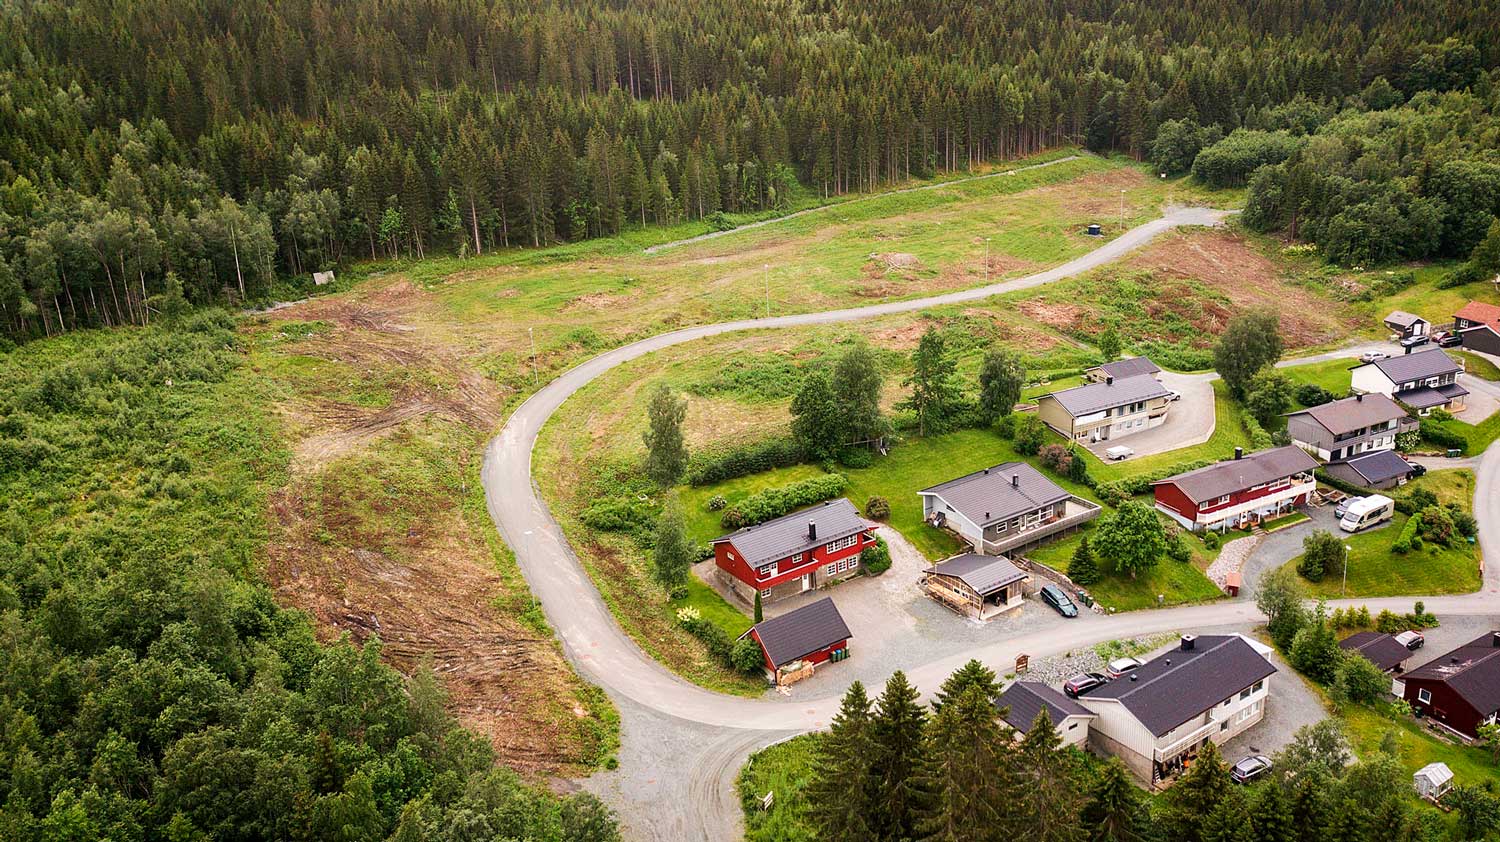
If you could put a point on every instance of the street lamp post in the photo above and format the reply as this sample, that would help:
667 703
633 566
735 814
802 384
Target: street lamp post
986 259
1345 586
531 331
765 269
1122 211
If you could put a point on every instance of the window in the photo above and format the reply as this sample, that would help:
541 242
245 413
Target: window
1245 693
842 544
765 571
1222 500
1424 696
797 559
765 593
853 561
1223 726
1072 726
831 569
1259 685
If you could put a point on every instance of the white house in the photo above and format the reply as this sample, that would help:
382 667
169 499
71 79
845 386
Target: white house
1424 381
1157 718
1023 702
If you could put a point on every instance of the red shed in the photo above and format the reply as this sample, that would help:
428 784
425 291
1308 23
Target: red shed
812 634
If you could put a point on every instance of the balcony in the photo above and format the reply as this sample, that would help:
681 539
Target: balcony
1170 750
1076 512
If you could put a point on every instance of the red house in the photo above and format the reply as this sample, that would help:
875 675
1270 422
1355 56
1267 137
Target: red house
795 553
813 634
1239 491
1460 689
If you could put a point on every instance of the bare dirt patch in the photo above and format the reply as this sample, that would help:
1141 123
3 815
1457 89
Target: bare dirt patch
1053 314
897 260
596 301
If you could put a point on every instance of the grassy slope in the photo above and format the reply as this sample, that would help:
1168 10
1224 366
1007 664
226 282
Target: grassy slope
784 770
1179 583
1376 571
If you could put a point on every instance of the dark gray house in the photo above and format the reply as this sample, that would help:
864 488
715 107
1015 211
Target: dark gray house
1406 324
1378 469
1007 507
1382 650
1346 428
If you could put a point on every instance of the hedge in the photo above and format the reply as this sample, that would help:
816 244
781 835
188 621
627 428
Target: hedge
1434 432
775 502
617 515
709 468
1117 492
1408 540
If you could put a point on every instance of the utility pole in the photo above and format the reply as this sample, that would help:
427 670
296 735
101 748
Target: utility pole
532 332
1122 211
765 269
1345 586
986 260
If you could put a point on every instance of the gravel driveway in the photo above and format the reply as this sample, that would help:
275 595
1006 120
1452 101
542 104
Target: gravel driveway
1190 420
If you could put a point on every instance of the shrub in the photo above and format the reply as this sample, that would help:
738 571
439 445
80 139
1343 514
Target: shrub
1078 468
1030 433
1259 438
746 656
1434 432
1322 554
1362 620
717 503
1408 441
1311 394
711 467
616 515
1466 525
876 559
878 508
1211 540
1404 541
1436 525
1178 549
1416 501
856 457
1006 427
775 502
1057 457
1359 681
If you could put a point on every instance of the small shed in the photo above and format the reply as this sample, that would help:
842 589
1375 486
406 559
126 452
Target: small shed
978 586
1233 581
1095 230
794 643
1433 780
1406 324
1378 469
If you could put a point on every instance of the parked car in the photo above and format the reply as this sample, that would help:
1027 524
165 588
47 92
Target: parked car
1250 768
1412 640
1053 596
1122 666
1417 469
1343 508
1413 341
1082 683
1174 395
1372 356
1371 511
1447 338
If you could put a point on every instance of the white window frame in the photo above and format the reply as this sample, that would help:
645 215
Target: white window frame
831 569
765 571
841 544
1424 696
765 592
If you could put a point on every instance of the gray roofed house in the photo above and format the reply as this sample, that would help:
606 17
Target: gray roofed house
1353 413
1182 684
1423 380
1107 409
1121 369
1348 427
1382 650
980 586
1378 469
1419 365
799 634
1023 701
1233 475
789 534
1408 324
1097 397
1000 508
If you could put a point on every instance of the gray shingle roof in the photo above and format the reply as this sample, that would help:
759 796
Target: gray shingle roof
1026 699
1097 397
801 632
984 573
1382 650
1471 670
1403 319
1353 413
1233 475
788 534
998 493
1175 687
1418 365
1424 397
1132 367
1379 466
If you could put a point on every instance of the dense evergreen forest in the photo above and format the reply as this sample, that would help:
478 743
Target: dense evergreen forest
167 150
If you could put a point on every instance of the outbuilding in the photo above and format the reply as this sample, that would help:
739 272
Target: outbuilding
1022 704
978 586
1382 650
1380 469
1433 781
794 643
1407 325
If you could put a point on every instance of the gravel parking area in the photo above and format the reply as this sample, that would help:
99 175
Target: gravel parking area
1189 421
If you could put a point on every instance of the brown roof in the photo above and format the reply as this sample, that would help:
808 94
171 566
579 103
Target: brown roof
1227 477
1354 413
1472 671
1382 650
1479 311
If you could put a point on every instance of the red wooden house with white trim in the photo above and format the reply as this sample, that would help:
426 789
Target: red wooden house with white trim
1239 491
794 553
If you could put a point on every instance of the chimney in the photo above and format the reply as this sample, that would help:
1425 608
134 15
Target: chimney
1239 453
812 530
986 517
1015 480
1359 397
1109 380
1187 642
1495 639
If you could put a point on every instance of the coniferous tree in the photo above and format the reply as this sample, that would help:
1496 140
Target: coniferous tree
843 788
970 778
1271 814
1082 569
1197 795
1048 807
899 760
1230 820
1115 810
971 674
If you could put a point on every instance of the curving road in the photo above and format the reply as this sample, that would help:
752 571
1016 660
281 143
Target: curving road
657 705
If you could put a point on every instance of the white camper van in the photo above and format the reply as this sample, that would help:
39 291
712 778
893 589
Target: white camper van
1367 512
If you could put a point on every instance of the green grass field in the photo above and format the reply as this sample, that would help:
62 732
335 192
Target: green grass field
1177 582
1476 365
1332 375
713 608
784 770
1415 746
1479 436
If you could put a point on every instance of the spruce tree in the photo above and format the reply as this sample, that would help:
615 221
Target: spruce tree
1271 814
842 786
1115 811
1311 803
1048 805
1082 569
666 453
759 611
1195 797
970 777
971 674
1230 820
899 759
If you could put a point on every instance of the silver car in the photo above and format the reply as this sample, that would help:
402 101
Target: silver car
1343 508
1250 768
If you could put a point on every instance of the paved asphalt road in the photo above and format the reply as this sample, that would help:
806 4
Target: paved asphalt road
679 789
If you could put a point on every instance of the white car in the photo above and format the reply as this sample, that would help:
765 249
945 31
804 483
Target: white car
1412 640
1372 356
1120 667
1119 452
1343 508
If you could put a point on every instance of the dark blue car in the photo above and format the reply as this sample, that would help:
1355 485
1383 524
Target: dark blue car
1053 596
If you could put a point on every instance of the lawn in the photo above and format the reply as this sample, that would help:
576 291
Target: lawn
1376 571
1332 375
713 608
1229 433
1177 582
1284 521
1479 436
1416 747
783 770
911 466
1476 365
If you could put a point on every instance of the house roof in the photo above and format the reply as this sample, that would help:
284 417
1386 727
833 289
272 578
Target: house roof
998 493
1233 475
1403 319
1424 397
1353 413
1379 466
1131 367
1472 671
1416 366
788 534
1181 684
1479 311
1026 699
1382 650
984 573
801 632
1097 397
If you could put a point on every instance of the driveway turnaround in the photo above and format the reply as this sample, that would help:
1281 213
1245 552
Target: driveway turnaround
685 783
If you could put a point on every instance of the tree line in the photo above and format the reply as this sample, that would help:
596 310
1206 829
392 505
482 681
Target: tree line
213 147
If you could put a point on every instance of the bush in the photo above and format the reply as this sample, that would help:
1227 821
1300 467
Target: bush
1311 394
1322 554
1434 433
1389 622
616 515
1006 427
1359 681
1436 525
717 503
1178 549
746 656
1117 492
711 467
856 457
1408 441
1078 468
876 559
1212 540
1417 500
1259 438
1404 541
1057 457
1030 433
878 508
1466 525
775 502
